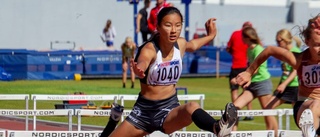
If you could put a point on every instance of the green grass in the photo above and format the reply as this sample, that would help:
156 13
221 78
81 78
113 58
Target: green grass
216 91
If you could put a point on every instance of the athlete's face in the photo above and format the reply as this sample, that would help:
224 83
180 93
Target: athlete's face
170 27
281 42
314 44
129 42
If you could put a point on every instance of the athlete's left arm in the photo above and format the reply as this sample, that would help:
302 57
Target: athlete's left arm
211 29
291 76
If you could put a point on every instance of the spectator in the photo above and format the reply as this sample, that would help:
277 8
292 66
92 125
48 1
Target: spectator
128 49
142 21
238 50
108 34
152 21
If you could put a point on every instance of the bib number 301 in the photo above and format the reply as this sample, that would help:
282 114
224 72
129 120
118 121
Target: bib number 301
311 75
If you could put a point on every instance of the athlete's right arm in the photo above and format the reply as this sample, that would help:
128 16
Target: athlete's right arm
146 57
277 52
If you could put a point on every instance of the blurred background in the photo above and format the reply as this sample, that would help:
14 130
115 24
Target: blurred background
54 39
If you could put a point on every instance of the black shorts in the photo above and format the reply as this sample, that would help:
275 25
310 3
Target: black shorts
296 108
149 115
234 73
289 95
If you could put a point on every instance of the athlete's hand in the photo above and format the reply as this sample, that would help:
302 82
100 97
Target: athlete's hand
281 88
211 27
233 81
316 25
139 72
244 79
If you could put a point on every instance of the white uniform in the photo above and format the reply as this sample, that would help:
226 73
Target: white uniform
163 72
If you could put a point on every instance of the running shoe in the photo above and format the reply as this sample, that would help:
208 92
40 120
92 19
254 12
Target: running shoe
228 120
116 111
306 124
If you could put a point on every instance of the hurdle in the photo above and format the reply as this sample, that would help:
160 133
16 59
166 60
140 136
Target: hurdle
199 97
81 112
185 98
47 97
289 133
288 113
125 97
42 112
16 133
13 133
264 112
18 97
256 133
3 133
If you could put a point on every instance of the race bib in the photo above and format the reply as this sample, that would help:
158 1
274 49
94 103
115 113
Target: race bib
311 75
166 73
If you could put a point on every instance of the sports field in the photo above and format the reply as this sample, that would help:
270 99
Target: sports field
216 92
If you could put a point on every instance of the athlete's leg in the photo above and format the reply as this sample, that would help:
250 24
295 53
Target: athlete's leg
315 108
308 117
271 121
123 131
242 101
132 76
192 112
179 117
115 115
235 93
124 72
274 102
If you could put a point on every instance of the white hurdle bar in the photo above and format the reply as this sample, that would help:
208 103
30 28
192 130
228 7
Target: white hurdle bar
3 133
289 133
16 133
123 98
47 97
188 97
88 112
255 133
288 113
18 97
263 112
43 112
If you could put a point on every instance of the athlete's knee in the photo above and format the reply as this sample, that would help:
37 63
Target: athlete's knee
192 106
314 107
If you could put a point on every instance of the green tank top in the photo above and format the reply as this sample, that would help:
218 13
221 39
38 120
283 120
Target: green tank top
262 73
287 69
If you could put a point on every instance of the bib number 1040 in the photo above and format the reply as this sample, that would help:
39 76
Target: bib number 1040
168 73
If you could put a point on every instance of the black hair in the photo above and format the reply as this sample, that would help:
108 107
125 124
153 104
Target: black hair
167 10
